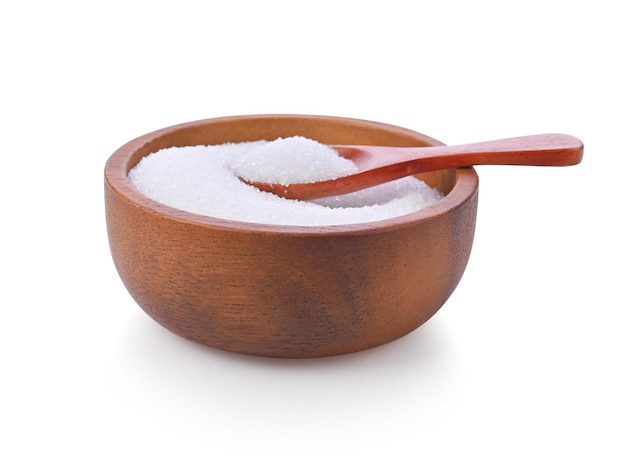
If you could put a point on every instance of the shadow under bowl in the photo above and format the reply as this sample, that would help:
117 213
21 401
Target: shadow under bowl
287 291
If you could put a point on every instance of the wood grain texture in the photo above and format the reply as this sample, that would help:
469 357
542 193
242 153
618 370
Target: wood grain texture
287 291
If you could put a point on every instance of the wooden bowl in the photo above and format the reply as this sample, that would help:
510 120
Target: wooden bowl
287 291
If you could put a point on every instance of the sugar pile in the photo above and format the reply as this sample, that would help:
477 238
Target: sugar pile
275 162
202 180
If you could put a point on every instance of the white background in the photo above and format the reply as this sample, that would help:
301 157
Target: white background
525 359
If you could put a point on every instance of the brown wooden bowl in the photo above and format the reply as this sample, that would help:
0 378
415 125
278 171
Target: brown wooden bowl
287 291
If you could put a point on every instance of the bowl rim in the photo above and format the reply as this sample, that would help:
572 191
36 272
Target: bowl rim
116 179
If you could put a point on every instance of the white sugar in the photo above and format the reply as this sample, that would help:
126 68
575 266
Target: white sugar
292 160
201 179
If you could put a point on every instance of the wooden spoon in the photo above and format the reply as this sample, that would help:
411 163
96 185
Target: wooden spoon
380 164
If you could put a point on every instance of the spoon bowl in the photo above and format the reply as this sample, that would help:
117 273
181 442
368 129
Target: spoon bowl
380 164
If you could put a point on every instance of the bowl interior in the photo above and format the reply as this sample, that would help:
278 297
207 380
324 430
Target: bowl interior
329 130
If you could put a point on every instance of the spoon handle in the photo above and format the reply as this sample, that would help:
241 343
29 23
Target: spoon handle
542 149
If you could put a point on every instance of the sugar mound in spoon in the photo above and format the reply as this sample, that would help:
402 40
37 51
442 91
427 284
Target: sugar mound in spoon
293 160
202 179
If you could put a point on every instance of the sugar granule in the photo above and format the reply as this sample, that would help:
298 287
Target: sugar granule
202 180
